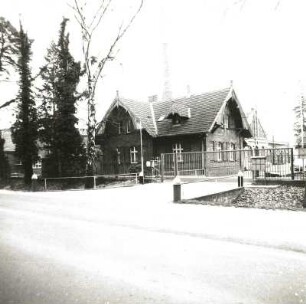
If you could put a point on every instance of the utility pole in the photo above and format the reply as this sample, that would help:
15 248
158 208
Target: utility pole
302 121
141 154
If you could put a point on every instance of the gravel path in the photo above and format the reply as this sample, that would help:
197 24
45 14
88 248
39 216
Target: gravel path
283 197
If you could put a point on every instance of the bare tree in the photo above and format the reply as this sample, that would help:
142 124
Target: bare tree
8 46
93 60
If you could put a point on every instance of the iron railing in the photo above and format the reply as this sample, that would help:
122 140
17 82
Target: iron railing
263 163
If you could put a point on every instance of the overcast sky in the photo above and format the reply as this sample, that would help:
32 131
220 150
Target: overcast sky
259 44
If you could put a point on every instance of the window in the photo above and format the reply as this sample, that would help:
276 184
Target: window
177 149
18 162
129 126
232 153
120 127
118 156
213 155
37 165
219 149
176 120
133 155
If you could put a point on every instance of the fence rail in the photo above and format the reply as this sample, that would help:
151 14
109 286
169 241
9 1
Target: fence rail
73 181
256 164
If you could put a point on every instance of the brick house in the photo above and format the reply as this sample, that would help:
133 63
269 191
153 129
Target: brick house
212 121
16 169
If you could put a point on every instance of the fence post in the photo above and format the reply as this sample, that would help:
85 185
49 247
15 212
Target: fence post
45 184
240 179
175 165
94 182
292 167
177 190
304 200
162 167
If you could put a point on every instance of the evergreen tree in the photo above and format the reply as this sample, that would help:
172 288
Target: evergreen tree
300 122
58 120
4 165
24 130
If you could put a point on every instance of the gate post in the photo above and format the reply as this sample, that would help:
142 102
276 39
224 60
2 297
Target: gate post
162 167
177 190
292 167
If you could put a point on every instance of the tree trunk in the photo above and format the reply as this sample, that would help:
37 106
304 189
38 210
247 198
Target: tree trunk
28 171
91 133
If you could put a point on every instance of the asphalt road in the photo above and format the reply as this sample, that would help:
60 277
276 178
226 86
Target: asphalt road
104 247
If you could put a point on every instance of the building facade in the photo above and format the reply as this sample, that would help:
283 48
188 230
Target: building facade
134 134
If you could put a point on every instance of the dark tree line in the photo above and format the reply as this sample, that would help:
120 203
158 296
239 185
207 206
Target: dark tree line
45 116
24 130
58 133
45 120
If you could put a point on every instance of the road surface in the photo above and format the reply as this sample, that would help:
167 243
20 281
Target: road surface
132 245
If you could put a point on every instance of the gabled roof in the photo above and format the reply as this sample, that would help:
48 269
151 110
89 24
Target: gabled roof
139 112
200 113
203 111
256 128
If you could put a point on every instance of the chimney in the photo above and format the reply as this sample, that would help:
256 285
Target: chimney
189 112
152 98
167 94
188 91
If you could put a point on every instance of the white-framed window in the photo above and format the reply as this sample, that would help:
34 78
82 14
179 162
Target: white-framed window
37 165
232 153
177 149
133 155
219 149
118 156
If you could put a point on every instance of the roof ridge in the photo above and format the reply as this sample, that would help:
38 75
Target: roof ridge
153 117
194 95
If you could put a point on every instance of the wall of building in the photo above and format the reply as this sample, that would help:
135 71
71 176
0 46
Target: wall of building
225 136
189 143
227 163
116 153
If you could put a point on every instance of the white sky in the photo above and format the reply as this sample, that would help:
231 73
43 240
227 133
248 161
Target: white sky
260 45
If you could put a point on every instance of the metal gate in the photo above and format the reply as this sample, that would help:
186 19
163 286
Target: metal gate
260 163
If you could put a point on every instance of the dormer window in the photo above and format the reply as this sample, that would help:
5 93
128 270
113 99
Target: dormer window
176 119
178 114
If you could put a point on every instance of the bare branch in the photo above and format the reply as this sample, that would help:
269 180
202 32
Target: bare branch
81 15
277 5
97 14
94 66
7 103
119 36
101 15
